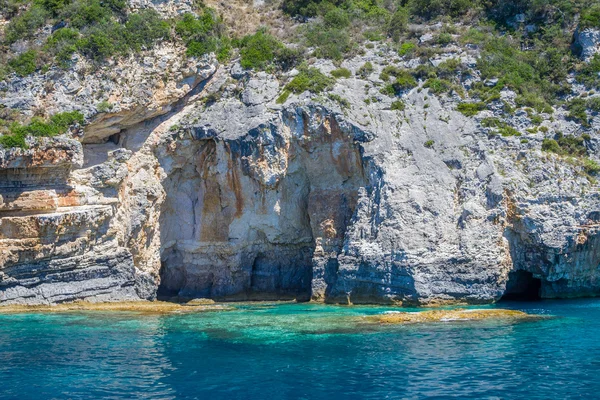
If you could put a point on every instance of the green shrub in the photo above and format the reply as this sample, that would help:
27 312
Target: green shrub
331 43
191 28
343 24
398 105
62 121
404 81
9 141
550 145
25 26
87 13
10 8
309 79
54 6
289 57
572 145
145 28
425 71
590 18
398 24
99 29
102 42
593 104
224 50
492 122
444 39
365 70
388 72
438 86
203 34
577 107
341 73
344 103
283 97
104 106
429 144
591 167
373 35
508 131
62 44
57 124
589 73
308 8
259 50
474 36
336 18
536 119
471 109
434 8
449 68
407 48
566 145
24 64
537 76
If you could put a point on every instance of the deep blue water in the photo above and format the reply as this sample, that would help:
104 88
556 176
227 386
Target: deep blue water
300 351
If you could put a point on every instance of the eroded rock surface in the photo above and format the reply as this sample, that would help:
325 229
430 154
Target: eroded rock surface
220 192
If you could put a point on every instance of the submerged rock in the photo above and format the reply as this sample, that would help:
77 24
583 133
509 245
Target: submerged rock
144 307
451 315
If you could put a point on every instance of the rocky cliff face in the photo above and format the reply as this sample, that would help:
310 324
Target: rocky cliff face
204 186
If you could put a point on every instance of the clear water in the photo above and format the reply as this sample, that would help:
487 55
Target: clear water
300 351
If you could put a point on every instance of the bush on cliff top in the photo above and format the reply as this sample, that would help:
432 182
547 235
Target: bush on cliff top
470 109
310 79
566 145
342 24
260 50
56 125
574 148
589 73
24 64
204 34
97 29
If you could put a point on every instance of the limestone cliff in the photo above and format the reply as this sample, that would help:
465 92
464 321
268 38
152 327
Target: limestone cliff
198 183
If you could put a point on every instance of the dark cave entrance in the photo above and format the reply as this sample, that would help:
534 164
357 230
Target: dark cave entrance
522 286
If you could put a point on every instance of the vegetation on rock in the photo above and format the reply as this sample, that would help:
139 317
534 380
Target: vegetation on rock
56 125
309 79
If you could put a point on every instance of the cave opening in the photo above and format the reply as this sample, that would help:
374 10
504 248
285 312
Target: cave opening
522 286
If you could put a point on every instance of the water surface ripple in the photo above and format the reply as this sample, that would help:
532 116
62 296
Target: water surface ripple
300 351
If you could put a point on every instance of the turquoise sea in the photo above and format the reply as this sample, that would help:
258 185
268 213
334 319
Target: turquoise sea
300 351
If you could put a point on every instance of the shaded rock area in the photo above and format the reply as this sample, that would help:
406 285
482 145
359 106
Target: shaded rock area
254 215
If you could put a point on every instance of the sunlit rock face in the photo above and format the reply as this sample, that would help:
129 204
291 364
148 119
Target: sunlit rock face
225 194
